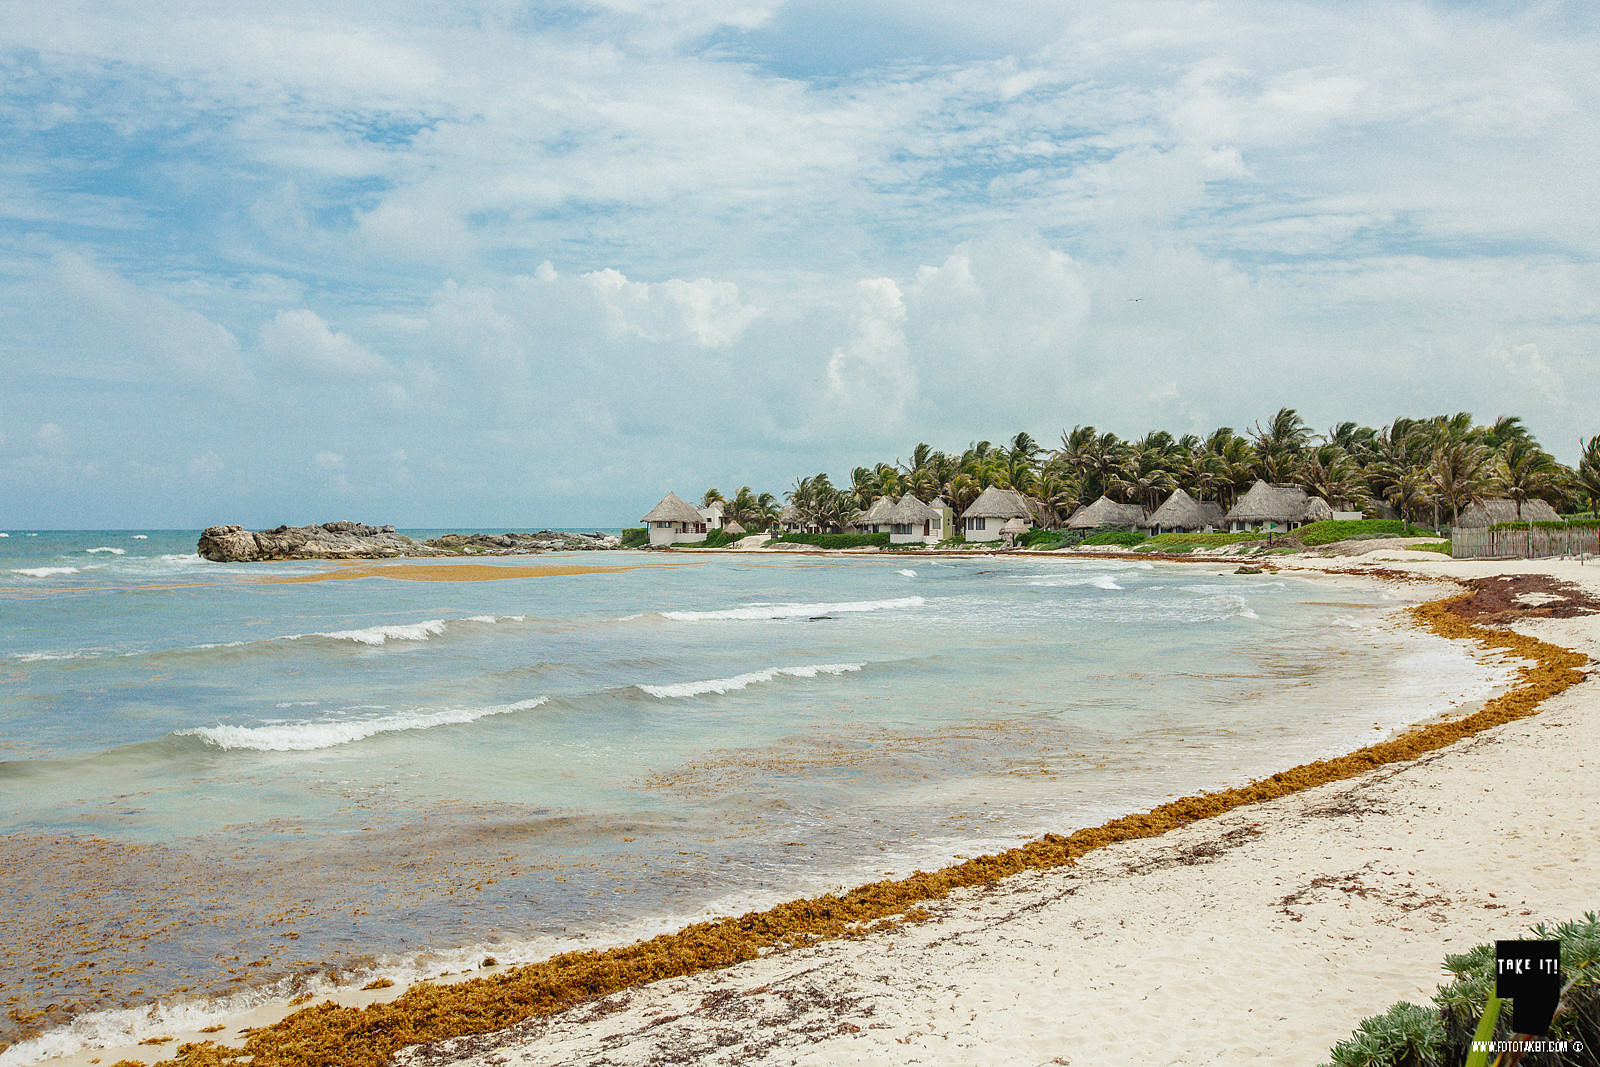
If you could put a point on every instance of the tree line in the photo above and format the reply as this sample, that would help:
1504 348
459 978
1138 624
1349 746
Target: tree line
1427 469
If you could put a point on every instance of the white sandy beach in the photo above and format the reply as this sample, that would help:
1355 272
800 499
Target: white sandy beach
1261 936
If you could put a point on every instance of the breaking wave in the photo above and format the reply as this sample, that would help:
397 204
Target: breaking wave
740 681
43 572
311 736
107 549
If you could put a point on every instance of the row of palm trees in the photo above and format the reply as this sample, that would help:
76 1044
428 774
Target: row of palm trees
1427 469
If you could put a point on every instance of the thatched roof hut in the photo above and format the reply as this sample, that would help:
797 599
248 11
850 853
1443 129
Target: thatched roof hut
734 527
878 513
1276 507
1107 514
1489 512
910 511
673 508
997 503
1182 512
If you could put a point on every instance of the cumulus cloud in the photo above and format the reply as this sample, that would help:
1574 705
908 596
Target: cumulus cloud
299 339
871 376
708 311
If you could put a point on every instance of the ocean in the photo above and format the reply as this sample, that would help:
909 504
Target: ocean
227 783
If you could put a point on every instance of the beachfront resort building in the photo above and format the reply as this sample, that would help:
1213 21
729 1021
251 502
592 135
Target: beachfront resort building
1107 514
988 515
675 521
1276 508
1182 513
907 521
1489 512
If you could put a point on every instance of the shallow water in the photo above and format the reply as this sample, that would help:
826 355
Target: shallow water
213 781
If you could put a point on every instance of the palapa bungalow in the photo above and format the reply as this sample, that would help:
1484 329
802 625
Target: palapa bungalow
875 518
1107 514
790 519
1182 513
711 515
1489 512
1268 508
1013 529
983 520
674 521
735 529
911 521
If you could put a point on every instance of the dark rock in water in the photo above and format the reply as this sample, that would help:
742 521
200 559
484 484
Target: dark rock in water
1248 570
355 540
487 544
331 540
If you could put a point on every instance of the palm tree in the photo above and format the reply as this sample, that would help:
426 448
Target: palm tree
711 496
1524 471
1586 479
1460 471
1329 472
1279 445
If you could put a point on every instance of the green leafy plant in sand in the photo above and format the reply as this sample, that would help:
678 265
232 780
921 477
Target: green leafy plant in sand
636 538
1466 1011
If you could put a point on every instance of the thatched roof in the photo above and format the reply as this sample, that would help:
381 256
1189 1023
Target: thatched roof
1106 512
1274 503
1183 512
878 513
1014 526
910 511
937 503
1490 512
1317 510
734 527
997 503
673 508
789 513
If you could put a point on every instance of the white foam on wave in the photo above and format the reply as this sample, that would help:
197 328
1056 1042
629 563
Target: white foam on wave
49 657
741 681
377 635
311 736
795 611
141 537
43 572
907 573
107 549
1097 581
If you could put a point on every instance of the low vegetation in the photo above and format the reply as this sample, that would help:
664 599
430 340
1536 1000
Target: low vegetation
1409 1035
878 540
636 538
1326 533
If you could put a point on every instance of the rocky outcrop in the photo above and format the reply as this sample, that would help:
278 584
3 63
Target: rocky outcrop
331 540
354 540
487 544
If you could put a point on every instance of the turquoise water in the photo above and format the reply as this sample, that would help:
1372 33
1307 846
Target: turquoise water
215 783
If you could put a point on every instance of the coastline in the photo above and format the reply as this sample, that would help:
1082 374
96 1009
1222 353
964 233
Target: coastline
949 909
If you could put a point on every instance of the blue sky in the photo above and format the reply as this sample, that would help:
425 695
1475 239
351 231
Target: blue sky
512 264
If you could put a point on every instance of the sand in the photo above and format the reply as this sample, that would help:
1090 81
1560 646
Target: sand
1261 936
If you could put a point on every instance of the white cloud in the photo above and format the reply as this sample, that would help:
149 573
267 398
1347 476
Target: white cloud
871 376
328 461
300 339
710 312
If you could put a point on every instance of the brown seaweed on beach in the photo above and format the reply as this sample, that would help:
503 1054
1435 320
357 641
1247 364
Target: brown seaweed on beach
327 1034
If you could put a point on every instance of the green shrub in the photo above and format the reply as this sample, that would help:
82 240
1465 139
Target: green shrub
881 540
1410 1036
1049 540
636 538
1188 542
1435 546
1331 530
1125 538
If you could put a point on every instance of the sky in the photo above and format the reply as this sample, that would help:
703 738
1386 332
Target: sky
513 264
